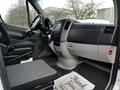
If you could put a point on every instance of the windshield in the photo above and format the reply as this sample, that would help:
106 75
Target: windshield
89 10
84 11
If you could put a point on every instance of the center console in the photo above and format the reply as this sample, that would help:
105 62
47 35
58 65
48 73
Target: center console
59 38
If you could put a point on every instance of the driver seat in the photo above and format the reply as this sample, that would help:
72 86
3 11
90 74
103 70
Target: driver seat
14 52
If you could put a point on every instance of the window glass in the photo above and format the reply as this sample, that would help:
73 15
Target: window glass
14 12
85 11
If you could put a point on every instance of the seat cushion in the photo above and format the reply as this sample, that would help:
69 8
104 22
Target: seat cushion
29 75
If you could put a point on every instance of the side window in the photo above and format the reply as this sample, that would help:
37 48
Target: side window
14 12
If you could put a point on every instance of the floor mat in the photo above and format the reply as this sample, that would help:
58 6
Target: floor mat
96 76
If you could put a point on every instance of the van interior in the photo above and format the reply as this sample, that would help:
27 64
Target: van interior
31 59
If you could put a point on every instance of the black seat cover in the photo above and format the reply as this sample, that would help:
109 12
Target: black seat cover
20 51
10 48
5 37
29 75
23 44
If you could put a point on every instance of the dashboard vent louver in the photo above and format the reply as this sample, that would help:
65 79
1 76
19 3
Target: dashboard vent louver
109 29
67 25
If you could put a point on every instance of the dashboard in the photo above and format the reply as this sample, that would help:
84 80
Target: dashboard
59 26
92 41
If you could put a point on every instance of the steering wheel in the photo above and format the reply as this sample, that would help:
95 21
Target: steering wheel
41 23
36 22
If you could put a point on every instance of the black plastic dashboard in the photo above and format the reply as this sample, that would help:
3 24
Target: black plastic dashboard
60 25
92 34
102 34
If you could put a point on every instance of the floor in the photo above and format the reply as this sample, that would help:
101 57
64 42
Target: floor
96 75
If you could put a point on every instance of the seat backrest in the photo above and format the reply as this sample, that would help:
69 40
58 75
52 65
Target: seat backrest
3 73
5 37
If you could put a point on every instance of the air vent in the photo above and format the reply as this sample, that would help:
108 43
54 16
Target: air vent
109 29
67 25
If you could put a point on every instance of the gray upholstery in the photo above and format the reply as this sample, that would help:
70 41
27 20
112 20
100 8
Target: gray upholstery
28 75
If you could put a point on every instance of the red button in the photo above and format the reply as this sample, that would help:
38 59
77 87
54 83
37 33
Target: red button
110 52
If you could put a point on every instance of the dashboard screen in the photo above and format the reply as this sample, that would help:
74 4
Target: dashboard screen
57 26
